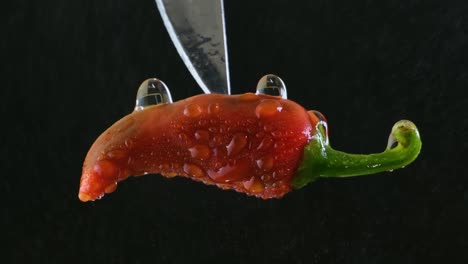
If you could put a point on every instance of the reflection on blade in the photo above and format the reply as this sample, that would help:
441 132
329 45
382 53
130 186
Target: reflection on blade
197 30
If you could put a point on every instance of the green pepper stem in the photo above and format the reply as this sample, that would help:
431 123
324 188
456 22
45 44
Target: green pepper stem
321 160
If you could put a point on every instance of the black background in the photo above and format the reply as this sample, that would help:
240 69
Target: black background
72 68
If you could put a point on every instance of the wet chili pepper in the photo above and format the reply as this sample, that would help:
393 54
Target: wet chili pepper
260 145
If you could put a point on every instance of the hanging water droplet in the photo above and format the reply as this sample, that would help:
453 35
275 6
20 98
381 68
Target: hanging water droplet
152 92
319 120
271 84
319 115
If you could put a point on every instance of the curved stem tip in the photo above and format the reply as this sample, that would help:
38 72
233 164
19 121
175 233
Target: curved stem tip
320 160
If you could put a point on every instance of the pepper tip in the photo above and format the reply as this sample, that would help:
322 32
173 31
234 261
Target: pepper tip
84 197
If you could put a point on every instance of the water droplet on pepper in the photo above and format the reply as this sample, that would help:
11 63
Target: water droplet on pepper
268 108
192 110
265 144
193 170
319 120
111 188
202 135
315 116
265 163
106 169
254 185
248 97
230 172
237 144
213 108
152 92
201 152
117 154
271 84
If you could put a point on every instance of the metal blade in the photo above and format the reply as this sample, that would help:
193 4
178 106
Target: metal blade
197 30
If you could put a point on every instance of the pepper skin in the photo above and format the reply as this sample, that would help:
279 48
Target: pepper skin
260 145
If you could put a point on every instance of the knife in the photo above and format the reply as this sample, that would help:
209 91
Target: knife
197 29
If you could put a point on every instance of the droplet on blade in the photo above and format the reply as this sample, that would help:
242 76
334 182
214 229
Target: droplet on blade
152 92
271 84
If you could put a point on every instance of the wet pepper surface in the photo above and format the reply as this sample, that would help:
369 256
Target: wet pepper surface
249 143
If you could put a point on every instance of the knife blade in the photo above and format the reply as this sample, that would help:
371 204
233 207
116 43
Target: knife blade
197 29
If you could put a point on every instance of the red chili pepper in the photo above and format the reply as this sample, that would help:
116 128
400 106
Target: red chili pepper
260 145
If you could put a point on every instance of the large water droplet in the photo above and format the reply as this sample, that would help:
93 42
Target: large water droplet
216 140
272 85
319 120
184 139
318 115
152 92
